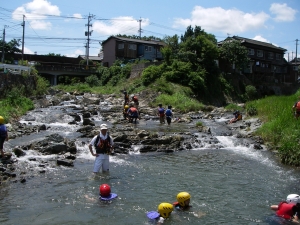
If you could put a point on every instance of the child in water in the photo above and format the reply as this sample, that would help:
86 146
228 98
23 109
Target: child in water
163 212
183 201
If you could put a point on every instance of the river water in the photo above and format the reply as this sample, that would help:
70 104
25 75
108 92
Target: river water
229 184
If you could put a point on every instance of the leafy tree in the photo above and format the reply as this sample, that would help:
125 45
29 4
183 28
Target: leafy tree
235 53
53 54
92 80
11 46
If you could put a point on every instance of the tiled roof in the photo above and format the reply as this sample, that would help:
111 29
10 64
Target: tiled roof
251 41
136 41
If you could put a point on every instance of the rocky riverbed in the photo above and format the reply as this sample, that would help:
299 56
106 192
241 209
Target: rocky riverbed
146 136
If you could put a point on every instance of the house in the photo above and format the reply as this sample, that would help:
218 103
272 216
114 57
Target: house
294 68
130 49
267 62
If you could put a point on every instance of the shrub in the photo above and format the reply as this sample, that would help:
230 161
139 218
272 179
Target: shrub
92 81
250 92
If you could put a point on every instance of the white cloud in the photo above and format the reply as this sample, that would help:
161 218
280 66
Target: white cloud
36 12
282 12
77 15
28 51
218 19
119 25
76 53
260 38
40 25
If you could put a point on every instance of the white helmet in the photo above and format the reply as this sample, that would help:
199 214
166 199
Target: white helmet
293 198
132 95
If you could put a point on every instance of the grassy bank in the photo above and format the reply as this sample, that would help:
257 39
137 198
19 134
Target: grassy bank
280 129
166 93
14 105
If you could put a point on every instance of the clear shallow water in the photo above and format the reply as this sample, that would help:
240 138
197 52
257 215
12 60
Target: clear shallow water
230 185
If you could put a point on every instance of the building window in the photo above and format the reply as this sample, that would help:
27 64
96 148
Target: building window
295 68
260 53
148 48
270 55
250 51
278 56
121 46
132 46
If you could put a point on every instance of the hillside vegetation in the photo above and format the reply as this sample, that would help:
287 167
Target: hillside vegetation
280 129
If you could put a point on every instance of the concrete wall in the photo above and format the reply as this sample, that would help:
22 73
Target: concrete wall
137 70
8 81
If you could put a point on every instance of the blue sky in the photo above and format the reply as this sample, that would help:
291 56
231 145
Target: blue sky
58 26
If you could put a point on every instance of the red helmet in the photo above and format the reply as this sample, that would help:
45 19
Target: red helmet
104 190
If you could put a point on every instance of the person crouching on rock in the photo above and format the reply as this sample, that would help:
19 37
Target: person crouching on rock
104 146
237 117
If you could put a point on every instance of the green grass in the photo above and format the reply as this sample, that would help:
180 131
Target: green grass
280 128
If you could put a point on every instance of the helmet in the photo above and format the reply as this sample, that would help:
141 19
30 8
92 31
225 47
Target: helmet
126 107
104 190
293 198
132 95
182 197
169 107
160 105
165 209
1 120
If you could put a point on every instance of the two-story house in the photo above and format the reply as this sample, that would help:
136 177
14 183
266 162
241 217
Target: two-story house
267 62
130 49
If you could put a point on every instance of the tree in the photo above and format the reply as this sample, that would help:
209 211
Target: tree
12 46
234 53
53 54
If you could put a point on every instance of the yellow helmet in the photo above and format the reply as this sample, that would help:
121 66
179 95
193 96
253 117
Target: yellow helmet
1 120
165 209
126 107
182 197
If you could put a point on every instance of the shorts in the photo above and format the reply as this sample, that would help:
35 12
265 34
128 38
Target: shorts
169 119
162 119
101 161
2 139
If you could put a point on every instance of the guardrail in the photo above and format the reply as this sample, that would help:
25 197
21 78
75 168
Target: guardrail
15 69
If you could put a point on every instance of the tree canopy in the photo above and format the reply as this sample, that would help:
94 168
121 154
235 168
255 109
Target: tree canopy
12 46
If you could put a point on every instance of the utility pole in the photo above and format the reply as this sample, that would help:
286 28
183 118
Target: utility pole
23 25
296 49
3 43
140 29
88 34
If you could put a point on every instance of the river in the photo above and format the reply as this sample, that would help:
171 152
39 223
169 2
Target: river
229 184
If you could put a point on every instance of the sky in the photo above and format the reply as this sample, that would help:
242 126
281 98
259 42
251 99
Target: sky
59 26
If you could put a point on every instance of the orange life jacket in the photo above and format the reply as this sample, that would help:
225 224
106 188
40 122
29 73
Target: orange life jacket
298 106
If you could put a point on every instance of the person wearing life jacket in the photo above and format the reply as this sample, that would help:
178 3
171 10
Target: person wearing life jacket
105 193
237 117
126 98
133 114
183 201
169 114
104 146
296 108
3 135
126 107
161 113
163 212
135 101
288 209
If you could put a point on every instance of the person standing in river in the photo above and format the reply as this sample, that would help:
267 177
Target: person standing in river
3 135
104 146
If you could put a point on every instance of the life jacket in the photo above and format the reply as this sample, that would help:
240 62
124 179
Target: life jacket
161 111
103 147
3 131
239 117
298 106
285 210
133 111
168 112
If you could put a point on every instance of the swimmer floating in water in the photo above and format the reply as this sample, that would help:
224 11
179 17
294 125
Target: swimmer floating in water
163 212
